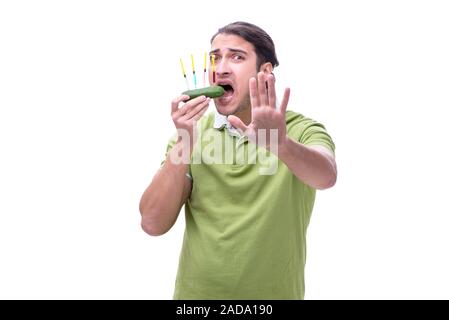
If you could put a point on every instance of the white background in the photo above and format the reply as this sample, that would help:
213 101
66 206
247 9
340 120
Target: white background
85 91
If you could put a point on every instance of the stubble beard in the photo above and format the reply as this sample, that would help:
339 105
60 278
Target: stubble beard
242 106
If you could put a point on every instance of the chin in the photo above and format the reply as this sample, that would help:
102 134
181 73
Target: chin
226 109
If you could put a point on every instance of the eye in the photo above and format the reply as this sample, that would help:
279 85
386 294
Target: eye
215 56
238 57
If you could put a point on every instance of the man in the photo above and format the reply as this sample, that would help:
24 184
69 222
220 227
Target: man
245 235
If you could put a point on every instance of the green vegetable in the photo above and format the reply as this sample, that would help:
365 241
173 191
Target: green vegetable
211 92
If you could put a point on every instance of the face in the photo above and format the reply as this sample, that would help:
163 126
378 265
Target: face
235 64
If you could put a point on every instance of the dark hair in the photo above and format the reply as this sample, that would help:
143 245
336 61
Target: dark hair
262 42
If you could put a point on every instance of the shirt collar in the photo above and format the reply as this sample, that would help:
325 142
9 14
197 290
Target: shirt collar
221 122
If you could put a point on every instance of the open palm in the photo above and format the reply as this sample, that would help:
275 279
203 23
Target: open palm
267 123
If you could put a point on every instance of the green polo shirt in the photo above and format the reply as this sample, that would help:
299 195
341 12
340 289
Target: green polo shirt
246 220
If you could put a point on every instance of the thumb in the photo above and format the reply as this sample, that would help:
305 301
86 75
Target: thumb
237 123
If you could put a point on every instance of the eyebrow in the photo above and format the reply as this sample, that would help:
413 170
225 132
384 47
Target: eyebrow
234 50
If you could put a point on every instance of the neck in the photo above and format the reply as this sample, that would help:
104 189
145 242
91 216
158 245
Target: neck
244 115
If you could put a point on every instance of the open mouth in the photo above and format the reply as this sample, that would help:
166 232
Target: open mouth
229 90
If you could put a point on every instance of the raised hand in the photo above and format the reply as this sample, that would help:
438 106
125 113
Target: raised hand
264 114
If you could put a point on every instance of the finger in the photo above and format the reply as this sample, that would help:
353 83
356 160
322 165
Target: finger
285 99
197 109
254 96
176 101
191 104
199 114
237 123
271 92
263 96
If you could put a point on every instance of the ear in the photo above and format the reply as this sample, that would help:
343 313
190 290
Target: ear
266 67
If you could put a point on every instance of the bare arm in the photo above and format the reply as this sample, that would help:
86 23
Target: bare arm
314 165
163 199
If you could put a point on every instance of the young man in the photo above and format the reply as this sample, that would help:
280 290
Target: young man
246 212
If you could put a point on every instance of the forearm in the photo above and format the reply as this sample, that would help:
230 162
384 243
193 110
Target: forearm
165 196
310 166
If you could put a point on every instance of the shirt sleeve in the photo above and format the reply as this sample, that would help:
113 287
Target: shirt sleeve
315 133
171 143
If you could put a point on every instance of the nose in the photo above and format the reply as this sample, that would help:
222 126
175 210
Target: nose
222 67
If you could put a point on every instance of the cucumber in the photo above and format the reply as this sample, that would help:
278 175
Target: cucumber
211 92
